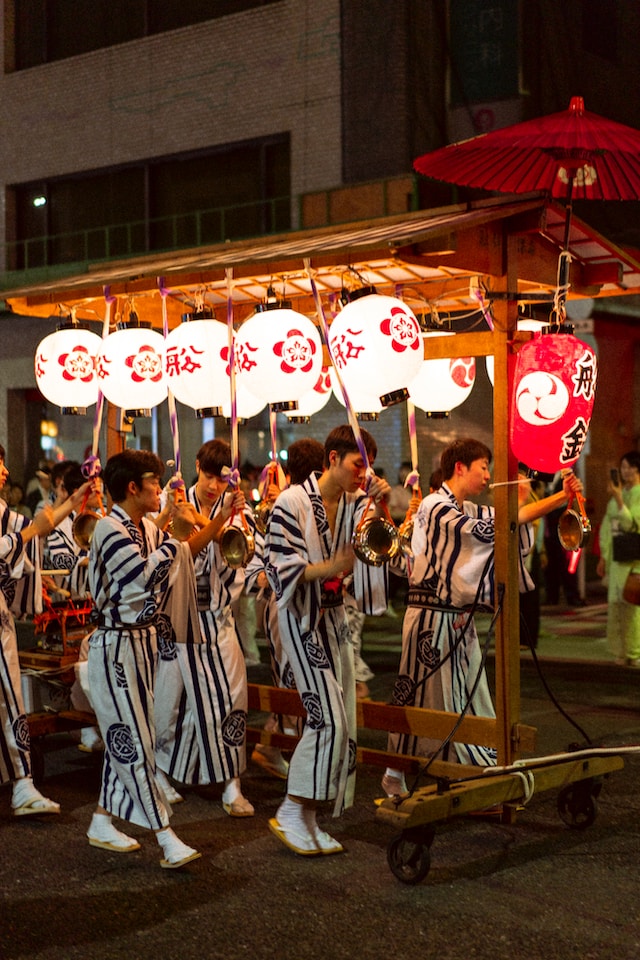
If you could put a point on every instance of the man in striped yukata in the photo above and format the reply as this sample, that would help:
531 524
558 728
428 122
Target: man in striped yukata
133 566
202 696
308 552
20 593
453 545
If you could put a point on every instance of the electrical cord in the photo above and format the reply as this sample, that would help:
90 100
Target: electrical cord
483 659
549 692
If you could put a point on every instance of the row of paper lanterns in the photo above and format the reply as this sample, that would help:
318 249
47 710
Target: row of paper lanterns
278 359
376 346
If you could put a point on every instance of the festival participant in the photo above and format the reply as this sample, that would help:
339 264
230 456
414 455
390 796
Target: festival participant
20 592
132 564
201 696
65 553
453 543
304 456
308 553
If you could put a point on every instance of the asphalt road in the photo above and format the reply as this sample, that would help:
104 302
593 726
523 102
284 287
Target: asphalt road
533 889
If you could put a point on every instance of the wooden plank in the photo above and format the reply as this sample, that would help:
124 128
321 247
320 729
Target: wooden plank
432 803
372 715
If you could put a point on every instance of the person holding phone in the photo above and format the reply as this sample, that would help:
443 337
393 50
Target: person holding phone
622 515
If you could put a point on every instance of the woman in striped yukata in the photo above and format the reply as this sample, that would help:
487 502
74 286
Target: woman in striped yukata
453 545
202 697
307 555
133 565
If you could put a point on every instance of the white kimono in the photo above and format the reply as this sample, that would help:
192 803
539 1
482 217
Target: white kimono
441 655
19 590
129 575
315 635
63 553
201 691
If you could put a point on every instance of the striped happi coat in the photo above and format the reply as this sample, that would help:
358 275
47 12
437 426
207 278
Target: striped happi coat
316 641
451 548
129 576
63 553
20 593
201 693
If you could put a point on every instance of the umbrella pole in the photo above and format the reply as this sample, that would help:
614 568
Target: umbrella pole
565 259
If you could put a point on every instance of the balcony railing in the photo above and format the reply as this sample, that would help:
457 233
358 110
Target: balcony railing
56 252
35 259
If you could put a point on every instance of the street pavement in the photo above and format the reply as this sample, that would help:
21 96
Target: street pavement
532 889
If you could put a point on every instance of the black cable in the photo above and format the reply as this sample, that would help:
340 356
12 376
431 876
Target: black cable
452 649
483 659
550 693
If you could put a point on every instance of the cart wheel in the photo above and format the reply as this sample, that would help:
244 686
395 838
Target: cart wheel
577 805
409 856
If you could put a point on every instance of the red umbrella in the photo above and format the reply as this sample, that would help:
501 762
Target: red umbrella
573 154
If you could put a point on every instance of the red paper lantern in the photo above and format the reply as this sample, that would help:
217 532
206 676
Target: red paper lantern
65 368
552 401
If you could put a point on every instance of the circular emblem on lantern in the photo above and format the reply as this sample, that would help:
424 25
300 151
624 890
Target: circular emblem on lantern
541 398
65 368
442 384
553 393
130 368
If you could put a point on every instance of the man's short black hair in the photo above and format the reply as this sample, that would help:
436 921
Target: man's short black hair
213 456
130 465
304 456
465 451
342 440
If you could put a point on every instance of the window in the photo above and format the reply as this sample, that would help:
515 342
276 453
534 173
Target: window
240 190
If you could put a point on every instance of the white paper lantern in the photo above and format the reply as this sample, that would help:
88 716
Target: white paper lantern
195 364
131 368
247 405
366 406
65 368
376 345
314 400
279 356
444 383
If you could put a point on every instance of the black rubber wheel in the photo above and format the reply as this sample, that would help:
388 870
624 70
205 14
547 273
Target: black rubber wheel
577 806
409 856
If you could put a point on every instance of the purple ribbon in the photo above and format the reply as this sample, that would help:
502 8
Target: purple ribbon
171 400
353 420
413 479
235 454
91 467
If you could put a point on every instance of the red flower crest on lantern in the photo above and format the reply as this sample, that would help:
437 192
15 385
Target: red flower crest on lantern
296 351
78 364
403 329
323 383
463 371
146 364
